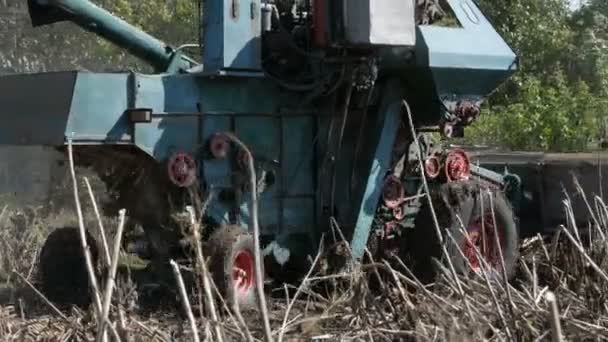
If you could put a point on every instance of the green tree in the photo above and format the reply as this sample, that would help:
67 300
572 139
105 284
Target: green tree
175 22
65 46
557 100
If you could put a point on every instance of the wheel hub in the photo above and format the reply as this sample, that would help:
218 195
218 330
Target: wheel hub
482 236
243 275
182 169
457 165
432 167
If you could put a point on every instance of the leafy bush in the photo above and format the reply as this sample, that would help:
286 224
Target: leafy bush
558 100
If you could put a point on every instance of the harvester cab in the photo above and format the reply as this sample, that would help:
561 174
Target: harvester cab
334 100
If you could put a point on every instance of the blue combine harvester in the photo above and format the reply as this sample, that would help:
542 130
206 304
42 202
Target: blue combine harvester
330 97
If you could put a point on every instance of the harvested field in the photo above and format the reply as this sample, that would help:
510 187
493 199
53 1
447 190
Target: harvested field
560 293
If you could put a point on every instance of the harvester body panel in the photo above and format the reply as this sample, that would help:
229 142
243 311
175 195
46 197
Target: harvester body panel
319 156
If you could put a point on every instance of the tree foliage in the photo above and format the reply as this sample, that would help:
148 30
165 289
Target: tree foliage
175 22
558 100
65 46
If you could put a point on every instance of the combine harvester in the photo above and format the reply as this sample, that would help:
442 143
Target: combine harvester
330 97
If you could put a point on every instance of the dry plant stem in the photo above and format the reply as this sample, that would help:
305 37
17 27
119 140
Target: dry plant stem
484 270
584 254
375 270
502 263
556 329
122 324
534 277
109 289
379 278
600 208
336 227
256 236
429 199
102 233
239 317
437 300
497 304
604 211
402 291
242 322
83 239
570 219
43 297
186 303
581 192
204 273
299 290
460 252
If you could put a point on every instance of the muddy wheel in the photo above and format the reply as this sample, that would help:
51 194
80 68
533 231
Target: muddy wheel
62 268
463 202
232 265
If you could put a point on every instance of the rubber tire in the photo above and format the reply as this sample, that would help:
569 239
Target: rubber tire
450 201
62 268
223 245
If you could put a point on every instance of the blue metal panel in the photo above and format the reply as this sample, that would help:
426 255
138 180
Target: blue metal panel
375 178
451 52
299 215
217 173
166 135
97 111
149 92
263 137
248 95
476 45
268 214
232 35
194 94
298 155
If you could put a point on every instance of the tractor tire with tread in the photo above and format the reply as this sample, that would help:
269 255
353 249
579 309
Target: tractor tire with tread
455 203
225 245
62 268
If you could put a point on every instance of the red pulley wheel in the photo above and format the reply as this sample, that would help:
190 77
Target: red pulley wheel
457 165
182 169
432 167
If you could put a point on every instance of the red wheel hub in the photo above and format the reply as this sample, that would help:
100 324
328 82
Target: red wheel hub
457 165
393 192
182 169
483 238
432 167
219 146
243 275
